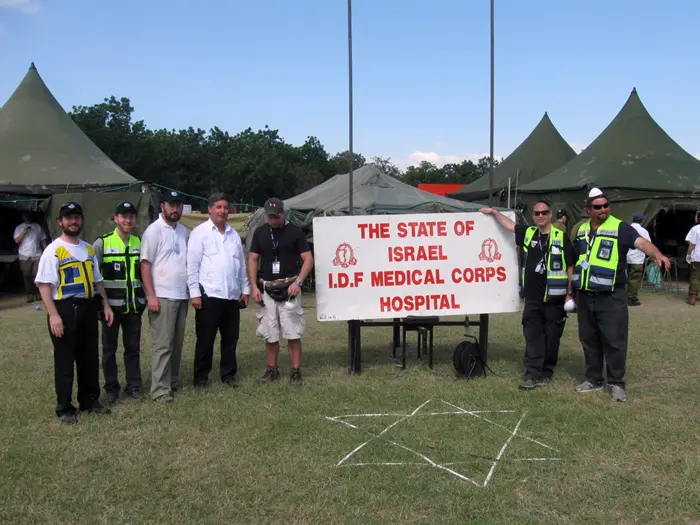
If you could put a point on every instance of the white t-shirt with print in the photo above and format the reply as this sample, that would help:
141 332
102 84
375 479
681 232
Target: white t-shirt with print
165 247
693 237
47 271
30 247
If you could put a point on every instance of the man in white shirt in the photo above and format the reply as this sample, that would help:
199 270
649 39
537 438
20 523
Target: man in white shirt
31 241
693 258
164 277
219 287
68 277
635 262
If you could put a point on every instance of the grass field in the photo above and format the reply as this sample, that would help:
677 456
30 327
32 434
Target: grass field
268 454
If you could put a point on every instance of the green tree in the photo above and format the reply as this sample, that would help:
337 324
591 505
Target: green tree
386 166
340 162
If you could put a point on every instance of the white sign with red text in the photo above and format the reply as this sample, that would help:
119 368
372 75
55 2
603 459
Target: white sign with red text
438 264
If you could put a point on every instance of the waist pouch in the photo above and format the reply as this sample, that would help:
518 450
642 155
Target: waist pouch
278 292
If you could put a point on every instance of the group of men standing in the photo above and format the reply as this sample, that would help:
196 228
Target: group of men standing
161 273
592 272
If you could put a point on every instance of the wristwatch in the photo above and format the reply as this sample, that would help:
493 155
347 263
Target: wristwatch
300 283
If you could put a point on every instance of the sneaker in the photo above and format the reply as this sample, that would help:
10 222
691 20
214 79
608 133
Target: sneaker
295 379
112 398
618 393
68 419
163 400
587 386
271 374
545 381
528 384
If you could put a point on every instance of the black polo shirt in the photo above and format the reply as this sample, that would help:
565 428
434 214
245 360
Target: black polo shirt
284 244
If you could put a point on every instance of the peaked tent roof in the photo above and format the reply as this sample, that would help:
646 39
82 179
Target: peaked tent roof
41 146
543 151
374 193
632 153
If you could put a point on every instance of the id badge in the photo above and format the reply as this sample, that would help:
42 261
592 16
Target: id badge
540 267
584 265
117 266
275 267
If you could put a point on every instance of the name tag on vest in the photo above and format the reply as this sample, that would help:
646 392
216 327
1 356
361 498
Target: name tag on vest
117 266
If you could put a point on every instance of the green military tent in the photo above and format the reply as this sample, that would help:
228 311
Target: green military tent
543 151
634 161
45 160
374 193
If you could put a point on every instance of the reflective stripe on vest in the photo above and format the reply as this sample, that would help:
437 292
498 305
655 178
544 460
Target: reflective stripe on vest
601 254
75 278
557 277
121 273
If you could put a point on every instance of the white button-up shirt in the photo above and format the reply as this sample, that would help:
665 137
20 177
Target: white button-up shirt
216 262
165 247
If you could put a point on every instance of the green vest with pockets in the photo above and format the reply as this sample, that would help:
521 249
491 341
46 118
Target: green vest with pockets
122 274
557 278
596 267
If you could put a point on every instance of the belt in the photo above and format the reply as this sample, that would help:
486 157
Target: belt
288 280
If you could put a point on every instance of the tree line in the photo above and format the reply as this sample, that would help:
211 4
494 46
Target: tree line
248 166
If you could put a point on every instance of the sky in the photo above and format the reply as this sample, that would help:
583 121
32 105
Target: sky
421 70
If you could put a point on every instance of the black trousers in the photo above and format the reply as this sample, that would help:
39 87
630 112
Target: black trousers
79 345
543 326
216 315
131 339
602 328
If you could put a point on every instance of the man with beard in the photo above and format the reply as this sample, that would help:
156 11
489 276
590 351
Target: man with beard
276 281
549 259
599 278
31 240
164 275
118 255
67 278
219 287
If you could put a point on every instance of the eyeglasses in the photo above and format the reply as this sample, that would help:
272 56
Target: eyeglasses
601 206
544 213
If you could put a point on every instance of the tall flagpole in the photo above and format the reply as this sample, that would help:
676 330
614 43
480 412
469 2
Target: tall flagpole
492 115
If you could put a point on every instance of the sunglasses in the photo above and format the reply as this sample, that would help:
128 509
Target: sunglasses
544 213
601 206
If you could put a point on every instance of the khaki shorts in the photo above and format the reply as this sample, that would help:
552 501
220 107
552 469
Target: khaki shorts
274 315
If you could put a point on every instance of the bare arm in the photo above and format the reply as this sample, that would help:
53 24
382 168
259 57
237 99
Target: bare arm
147 281
307 263
55 320
691 248
253 259
502 219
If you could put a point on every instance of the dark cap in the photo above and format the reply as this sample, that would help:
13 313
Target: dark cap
171 196
638 217
562 213
69 208
274 206
125 207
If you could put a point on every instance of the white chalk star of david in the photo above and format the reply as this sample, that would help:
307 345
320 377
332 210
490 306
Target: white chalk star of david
425 460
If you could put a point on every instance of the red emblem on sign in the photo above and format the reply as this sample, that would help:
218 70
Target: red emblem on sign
344 256
489 251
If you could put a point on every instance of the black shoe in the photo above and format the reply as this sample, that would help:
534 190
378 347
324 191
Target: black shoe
68 419
271 374
231 381
133 394
97 409
528 384
200 387
295 379
634 302
112 398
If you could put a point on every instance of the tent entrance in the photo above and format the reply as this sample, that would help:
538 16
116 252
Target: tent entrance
668 232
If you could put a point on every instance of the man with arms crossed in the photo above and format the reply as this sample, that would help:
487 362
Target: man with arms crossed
118 255
599 279
273 268
31 240
67 278
164 274
218 284
549 259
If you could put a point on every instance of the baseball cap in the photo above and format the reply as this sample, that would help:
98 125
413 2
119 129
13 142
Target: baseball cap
273 206
70 208
638 217
125 207
171 196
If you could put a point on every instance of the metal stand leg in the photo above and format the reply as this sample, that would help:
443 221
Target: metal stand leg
484 335
355 348
397 337
430 349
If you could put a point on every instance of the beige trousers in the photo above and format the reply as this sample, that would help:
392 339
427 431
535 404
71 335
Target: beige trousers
167 335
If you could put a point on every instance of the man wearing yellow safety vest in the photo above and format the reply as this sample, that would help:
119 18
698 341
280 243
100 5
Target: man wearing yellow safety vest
549 259
118 255
599 280
68 277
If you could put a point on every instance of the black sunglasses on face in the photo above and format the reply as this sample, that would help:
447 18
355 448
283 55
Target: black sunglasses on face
601 206
543 213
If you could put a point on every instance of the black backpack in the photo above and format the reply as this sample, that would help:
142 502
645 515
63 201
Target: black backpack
468 359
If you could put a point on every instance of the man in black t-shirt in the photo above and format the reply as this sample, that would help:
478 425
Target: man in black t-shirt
276 281
548 262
